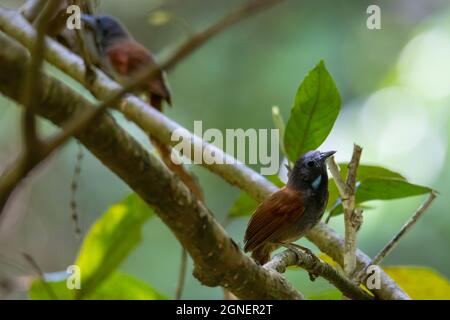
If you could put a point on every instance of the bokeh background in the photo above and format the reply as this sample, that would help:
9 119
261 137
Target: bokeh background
395 85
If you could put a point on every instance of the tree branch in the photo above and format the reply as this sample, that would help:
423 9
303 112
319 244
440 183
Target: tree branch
161 127
31 9
181 274
32 145
218 260
352 216
394 241
315 266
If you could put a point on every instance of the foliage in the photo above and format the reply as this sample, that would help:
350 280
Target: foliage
109 241
316 107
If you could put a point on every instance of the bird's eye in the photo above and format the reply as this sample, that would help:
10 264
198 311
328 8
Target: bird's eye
310 164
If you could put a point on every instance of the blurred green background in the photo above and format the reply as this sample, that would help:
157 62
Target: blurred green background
395 85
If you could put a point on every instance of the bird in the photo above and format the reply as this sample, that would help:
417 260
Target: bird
122 57
287 214
117 53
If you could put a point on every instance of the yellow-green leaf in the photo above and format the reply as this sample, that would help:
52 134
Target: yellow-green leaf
118 286
420 283
110 240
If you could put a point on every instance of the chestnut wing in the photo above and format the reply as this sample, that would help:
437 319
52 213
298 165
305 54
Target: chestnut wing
128 58
281 208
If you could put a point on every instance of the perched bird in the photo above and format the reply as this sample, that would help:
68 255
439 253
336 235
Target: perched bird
122 56
289 213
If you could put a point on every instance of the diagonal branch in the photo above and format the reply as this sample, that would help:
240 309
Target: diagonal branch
30 155
352 215
218 260
394 241
317 267
161 127
84 119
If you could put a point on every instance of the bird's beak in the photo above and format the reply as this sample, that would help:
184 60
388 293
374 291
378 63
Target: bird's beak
327 154
89 22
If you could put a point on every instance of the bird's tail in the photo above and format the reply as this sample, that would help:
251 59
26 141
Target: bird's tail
185 176
262 254
165 152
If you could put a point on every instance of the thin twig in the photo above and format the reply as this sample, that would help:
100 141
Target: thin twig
406 227
159 125
335 173
31 9
52 295
182 274
147 74
32 145
317 267
352 216
90 73
218 260
83 120
75 216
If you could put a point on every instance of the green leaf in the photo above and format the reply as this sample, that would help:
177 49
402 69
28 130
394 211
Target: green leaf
384 189
121 286
387 189
110 240
364 172
39 292
245 205
326 295
316 107
420 283
118 286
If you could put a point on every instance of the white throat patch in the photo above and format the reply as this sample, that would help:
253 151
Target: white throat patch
315 184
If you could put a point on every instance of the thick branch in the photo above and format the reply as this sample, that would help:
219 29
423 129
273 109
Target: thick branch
161 127
218 260
317 267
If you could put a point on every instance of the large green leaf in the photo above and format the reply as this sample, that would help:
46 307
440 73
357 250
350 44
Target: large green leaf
316 107
364 172
384 189
420 283
118 286
110 240
387 189
245 205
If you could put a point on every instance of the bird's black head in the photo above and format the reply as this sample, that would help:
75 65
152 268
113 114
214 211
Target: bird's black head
310 171
107 30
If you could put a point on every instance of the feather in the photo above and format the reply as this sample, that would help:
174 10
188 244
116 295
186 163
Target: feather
283 207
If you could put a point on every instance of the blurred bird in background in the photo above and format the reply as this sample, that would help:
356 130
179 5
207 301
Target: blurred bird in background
122 57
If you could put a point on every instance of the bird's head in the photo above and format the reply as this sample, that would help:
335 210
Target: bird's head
106 29
310 172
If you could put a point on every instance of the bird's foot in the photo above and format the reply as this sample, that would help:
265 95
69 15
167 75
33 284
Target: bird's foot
313 273
295 247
